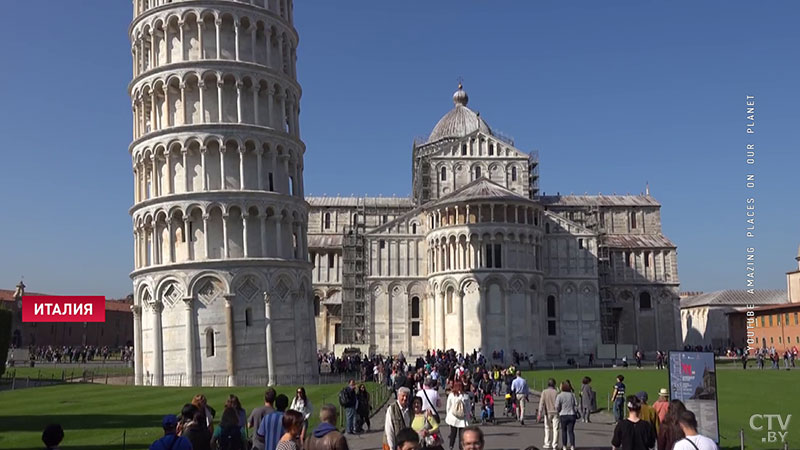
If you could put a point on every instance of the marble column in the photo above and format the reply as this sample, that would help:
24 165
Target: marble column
271 379
460 312
158 345
138 368
191 348
229 339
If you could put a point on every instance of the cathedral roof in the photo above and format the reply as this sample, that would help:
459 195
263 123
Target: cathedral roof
730 297
481 189
637 241
459 121
598 200
369 202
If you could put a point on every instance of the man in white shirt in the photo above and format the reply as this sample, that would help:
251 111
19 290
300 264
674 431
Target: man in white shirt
429 396
693 440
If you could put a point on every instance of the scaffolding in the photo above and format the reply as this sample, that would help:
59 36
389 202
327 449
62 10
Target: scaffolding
355 305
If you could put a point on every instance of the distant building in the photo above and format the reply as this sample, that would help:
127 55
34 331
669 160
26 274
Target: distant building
116 331
706 318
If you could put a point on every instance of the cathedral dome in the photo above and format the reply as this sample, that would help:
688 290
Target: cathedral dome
459 121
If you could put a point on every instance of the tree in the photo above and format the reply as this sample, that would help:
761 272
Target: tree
6 318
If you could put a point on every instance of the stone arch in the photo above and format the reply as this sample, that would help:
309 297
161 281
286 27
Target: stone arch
249 284
208 286
170 291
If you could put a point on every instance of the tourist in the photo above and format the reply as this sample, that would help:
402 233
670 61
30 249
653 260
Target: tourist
618 396
567 408
670 431
744 360
407 439
170 440
271 429
258 414
302 404
229 434
662 404
458 407
187 416
547 412
241 414
472 438
364 408
633 433
201 403
692 440
587 399
197 433
519 387
425 425
52 436
647 413
398 417
293 424
326 436
349 400
429 396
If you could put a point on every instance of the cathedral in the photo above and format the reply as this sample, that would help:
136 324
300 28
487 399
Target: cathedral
477 258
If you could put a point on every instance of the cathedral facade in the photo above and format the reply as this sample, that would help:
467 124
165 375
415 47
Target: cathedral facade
476 258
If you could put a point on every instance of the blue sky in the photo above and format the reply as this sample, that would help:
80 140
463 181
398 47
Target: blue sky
613 94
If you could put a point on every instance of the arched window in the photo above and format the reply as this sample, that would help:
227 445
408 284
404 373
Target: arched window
316 305
633 220
477 172
327 221
210 350
547 228
491 149
464 150
444 173
449 301
514 174
413 228
644 301
248 317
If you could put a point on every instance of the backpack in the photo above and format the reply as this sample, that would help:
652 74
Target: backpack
231 439
458 410
346 397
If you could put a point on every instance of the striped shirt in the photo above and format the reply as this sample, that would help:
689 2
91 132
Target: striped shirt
271 429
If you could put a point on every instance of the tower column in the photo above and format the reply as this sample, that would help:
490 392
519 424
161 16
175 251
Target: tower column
138 365
229 338
158 345
271 379
191 349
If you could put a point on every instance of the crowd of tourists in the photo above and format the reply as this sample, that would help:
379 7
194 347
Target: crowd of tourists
76 353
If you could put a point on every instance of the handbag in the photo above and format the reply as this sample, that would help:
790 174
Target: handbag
575 405
434 440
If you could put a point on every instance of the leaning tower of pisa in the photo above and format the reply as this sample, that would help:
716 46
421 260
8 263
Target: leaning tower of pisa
221 274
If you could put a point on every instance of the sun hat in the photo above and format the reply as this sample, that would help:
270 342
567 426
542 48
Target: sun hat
663 392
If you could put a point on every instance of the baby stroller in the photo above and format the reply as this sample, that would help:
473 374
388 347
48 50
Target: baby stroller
487 410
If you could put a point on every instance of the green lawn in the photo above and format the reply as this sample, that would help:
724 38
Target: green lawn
95 416
741 394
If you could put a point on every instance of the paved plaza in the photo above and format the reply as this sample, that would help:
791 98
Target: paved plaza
507 434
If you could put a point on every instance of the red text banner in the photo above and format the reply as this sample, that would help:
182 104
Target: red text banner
51 308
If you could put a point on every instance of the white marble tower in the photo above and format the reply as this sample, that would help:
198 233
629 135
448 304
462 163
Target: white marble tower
221 279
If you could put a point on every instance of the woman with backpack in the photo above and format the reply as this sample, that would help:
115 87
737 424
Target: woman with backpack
458 408
228 435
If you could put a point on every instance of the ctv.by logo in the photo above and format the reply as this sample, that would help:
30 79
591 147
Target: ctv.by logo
686 369
773 433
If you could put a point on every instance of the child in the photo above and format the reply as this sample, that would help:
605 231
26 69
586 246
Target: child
487 413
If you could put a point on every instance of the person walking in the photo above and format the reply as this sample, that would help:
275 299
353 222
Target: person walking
647 413
425 425
364 408
228 435
519 387
293 424
326 436
271 429
197 433
567 408
233 402
671 431
302 404
257 415
170 440
633 433
458 408
618 396
662 404
587 399
692 440
348 398
398 417
547 412
201 403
